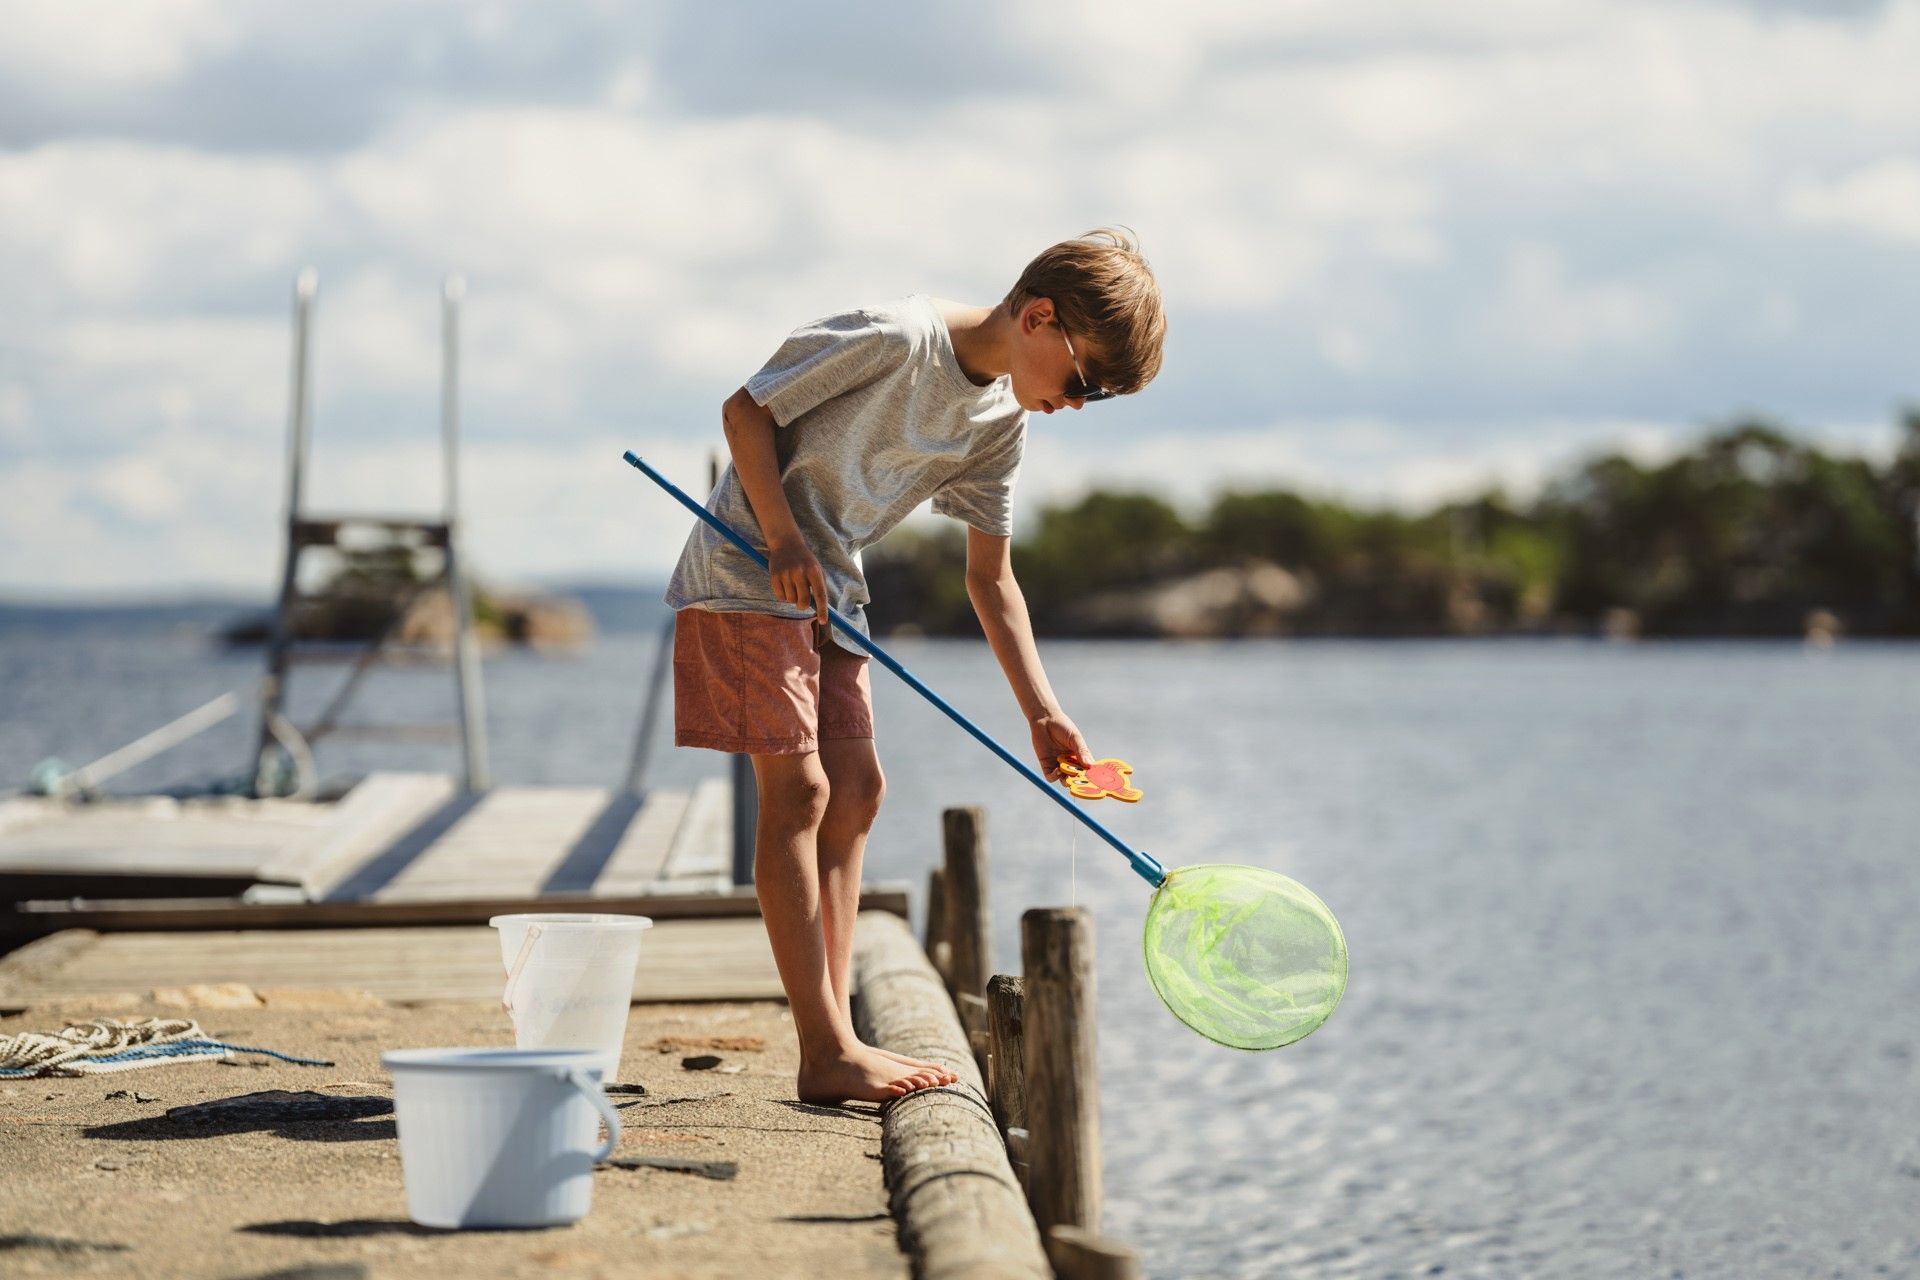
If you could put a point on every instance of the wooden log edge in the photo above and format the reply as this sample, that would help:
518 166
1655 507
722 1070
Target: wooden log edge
959 1209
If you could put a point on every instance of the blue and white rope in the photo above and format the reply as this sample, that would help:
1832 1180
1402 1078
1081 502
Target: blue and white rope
103 1045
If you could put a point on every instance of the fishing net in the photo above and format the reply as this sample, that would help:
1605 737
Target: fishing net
1244 956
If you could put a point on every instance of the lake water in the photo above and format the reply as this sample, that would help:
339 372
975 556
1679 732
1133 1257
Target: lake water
1635 931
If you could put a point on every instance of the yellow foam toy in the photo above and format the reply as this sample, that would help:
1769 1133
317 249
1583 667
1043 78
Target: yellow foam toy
1102 780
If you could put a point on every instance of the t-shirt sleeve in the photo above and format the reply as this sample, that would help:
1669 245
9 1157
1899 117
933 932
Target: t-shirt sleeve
981 494
824 359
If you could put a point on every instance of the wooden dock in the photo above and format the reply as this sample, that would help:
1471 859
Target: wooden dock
357 911
395 837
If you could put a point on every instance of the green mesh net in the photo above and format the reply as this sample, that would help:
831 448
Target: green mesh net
1244 956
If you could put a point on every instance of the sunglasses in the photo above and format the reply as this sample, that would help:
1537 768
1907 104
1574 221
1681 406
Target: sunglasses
1080 388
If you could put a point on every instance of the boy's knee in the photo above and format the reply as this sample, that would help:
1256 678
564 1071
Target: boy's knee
861 792
795 797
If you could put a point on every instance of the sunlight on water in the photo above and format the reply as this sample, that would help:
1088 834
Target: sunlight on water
1634 932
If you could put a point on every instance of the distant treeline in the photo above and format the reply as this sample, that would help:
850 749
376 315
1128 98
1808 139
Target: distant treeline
1752 533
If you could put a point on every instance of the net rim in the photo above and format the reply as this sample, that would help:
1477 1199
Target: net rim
1146 955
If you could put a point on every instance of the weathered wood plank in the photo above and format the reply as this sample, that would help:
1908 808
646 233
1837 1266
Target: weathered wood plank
641 856
702 845
20 810
146 844
505 847
361 883
679 960
232 913
960 1210
588 856
379 810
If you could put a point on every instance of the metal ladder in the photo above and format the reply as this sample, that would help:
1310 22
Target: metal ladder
279 740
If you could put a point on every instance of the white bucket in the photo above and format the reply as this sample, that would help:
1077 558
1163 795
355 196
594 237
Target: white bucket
499 1137
570 981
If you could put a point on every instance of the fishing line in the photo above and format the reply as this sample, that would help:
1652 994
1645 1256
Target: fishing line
1073 864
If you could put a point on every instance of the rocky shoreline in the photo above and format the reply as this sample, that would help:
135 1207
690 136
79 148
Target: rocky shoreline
426 619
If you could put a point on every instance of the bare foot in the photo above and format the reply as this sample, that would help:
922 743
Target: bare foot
864 1075
946 1074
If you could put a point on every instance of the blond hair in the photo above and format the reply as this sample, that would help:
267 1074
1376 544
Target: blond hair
1103 290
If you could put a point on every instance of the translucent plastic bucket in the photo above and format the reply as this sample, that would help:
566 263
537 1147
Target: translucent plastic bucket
570 981
499 1137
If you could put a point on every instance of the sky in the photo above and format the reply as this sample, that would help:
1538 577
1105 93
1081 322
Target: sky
1408 249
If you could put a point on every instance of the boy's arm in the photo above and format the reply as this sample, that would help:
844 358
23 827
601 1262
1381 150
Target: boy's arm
795 572
1003 616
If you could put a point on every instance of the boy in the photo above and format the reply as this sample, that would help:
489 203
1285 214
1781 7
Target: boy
856 420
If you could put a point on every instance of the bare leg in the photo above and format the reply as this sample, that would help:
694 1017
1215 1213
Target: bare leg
856 786
834 1065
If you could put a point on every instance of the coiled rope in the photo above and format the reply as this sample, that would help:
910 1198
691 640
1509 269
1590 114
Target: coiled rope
100 1045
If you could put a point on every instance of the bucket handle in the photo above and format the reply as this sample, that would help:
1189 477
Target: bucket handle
587 1085
519 963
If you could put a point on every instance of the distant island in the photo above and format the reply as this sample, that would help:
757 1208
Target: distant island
382 592
1751 533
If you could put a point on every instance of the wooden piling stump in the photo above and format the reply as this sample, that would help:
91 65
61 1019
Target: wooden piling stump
973 1021
937 949
1007 1071
1063 1111
968 926
1081 1255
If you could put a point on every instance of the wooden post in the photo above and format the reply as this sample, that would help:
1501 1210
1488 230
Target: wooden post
1063 1103
937 949
1006 1074
1081 1255
968 927
746 816
973 1020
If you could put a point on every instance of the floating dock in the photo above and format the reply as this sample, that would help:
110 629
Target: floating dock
394 837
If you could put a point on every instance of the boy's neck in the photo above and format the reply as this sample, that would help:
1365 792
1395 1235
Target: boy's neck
982 340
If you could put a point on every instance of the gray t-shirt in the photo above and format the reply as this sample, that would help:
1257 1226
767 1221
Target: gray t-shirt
874 416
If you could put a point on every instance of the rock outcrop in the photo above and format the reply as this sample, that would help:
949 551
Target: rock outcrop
1257 598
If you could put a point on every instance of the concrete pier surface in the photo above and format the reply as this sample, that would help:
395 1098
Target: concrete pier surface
99 1180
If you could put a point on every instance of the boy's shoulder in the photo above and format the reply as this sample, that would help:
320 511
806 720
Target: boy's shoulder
906 322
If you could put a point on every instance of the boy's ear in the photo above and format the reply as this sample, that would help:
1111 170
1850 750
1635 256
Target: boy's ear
1036 314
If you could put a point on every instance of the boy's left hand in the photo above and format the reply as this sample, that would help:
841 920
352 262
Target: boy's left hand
1054 736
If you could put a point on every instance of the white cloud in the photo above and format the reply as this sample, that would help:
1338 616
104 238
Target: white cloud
532 510
1369 460
16 416
128 43
1442 241
1542 314
119 225
1882 199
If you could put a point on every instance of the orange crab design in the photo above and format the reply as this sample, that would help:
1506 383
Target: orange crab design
1103 779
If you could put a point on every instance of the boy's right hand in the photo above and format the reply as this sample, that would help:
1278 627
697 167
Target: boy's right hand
798 578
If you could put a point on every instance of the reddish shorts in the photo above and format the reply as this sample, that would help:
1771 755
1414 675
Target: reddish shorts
753 683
